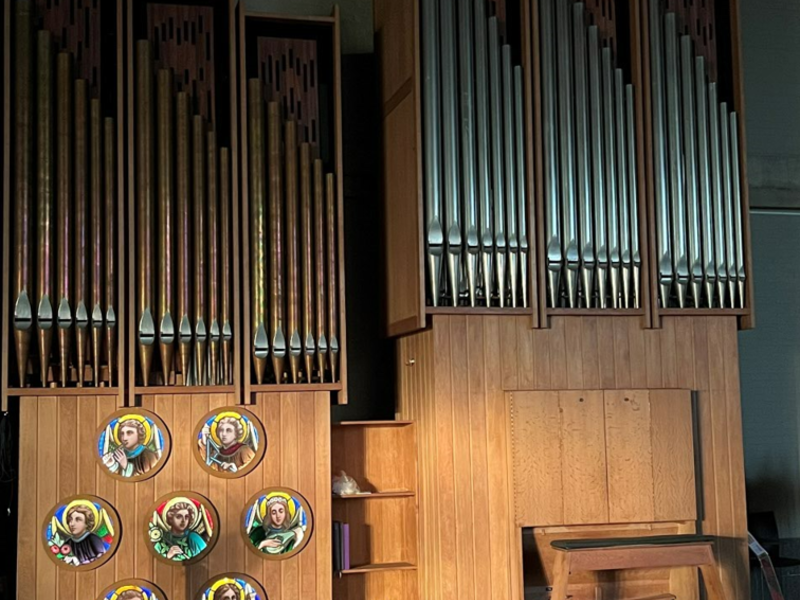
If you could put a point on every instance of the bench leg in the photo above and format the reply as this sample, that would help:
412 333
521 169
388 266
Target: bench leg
560 576
712 581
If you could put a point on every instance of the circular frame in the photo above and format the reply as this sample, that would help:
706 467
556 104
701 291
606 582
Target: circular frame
246 578
165 451
254 462
115 523
134 582
192 496
309 532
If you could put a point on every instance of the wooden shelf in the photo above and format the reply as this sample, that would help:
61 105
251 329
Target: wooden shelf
64 392
379 568
296 387
477 310
595 312
373 424
703 312
376 495
179 390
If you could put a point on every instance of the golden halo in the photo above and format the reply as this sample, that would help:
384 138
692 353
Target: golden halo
148 431
234 415
223 581
90 505
262 508
126 588
198 510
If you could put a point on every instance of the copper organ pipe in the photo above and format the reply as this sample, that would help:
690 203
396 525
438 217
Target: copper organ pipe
96 233
199 234
276 241
23 191
225 266
183 262
44 197
64 190
144 201
166 328
81 271
333 334
306 243
292 255
319 267
110 157
258 233
213 261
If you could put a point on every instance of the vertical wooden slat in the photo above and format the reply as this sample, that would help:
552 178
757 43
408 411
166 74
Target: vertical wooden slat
67 443
46 490
558 354
573 334
85 475
28 546
590 354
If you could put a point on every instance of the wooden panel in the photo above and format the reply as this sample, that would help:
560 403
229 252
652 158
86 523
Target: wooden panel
57 453
395 44
630 457
509 352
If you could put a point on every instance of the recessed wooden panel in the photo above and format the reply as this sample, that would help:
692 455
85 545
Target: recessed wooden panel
395 43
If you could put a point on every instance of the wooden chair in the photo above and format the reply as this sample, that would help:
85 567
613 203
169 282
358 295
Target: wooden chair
616 554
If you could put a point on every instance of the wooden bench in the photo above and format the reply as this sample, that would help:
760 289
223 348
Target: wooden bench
614 554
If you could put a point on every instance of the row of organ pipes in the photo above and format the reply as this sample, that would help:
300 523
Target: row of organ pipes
183 235
476 209
294 259
700 245
592 245
65 207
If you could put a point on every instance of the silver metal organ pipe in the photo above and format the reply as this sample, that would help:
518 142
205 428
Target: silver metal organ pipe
497 160
598 173
704 179
633 196
622 186
510 178
727 195
736 200
717 193
612 205
519 97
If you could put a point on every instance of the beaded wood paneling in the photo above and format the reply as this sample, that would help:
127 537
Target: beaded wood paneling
183 40
289 70
75 25
696 17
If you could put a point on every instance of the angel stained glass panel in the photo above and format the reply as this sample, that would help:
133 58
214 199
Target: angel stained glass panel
133 589
232 586
277 523
182 527
81 532
132 444
230 442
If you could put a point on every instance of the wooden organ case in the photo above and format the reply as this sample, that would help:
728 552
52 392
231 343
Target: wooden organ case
607 402
139 186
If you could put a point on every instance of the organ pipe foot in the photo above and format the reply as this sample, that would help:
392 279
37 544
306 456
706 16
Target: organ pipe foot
322 357
680 291
571 277
553 283
295 356
637 286
587 284
523 275
260 353
453 260
333 355
279 354
435 273
147 336
486 264
696 286
22 340
615 286
626 286
740 284
513 267
602 286
472 276
709 285
200 352
500 269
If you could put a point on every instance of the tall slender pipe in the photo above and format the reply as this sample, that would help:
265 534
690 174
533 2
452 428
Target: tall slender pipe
183 192
23 183
331 259
583 156
633 197
80 249
622 186
166 330
225 265
736 201
612 205
200 240
307 244
522 211
727 199
704 181
110 181
96 240
484 182
720 256
215 332
64 214
434 232
44 199
145 196
292 255
276 257
510 175
498 173
258 229
680 261
598 172
319 268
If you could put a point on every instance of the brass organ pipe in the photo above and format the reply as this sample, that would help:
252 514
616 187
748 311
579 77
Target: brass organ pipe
110 157
330 238
307 244
44 198
199 236
166 328
276 272
23 190
145 182
319 267
215 333
292 255
96 245
225 265
81 222
258 231
183 300
64 152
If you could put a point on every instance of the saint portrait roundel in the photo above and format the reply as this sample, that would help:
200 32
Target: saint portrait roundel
232 586
182 528
229 442
81 533
277 523
133 589
132 444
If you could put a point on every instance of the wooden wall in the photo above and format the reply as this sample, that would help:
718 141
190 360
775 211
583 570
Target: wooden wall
451 382
57 442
